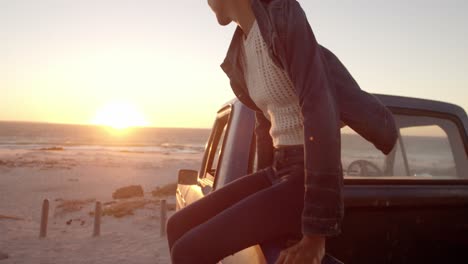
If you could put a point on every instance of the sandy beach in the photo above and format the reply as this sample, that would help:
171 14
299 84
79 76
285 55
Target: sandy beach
72 181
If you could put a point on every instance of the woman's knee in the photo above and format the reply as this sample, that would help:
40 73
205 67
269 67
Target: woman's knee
173 226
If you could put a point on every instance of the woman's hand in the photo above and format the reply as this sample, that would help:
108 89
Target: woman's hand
310 250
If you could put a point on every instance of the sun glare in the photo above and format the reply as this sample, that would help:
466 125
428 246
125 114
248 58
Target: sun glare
120 115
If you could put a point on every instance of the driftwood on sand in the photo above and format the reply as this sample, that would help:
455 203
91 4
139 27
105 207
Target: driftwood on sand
128 192
70 206
7 217
124 207
166 190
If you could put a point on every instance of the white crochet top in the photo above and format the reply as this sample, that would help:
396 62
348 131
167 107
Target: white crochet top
272 91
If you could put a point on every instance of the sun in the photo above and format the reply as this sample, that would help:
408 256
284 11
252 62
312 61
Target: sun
120 115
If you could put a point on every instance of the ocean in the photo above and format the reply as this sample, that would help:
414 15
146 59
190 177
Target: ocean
45 136
426 155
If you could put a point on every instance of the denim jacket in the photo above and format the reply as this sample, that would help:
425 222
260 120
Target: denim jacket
328 95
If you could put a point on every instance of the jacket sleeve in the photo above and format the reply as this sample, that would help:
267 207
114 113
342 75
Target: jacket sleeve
263 141
323 202
361 111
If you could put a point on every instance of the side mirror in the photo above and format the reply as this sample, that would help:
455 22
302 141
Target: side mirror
188 177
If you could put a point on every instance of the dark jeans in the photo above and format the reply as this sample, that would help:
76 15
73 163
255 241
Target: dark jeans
257 207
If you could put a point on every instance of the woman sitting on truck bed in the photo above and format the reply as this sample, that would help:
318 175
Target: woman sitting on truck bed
300 92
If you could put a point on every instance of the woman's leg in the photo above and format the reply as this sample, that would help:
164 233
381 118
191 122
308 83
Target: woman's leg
265 214
213 203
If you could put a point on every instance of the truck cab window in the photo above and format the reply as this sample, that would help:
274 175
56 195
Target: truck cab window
215 146
217 153
427 147
359 157
430 145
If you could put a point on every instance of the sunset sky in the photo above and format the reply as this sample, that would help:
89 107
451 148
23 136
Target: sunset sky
65 61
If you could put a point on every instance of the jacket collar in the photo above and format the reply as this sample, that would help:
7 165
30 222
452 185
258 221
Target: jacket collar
232 64
232 59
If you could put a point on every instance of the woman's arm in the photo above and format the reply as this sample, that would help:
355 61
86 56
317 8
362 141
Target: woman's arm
323 202
303 61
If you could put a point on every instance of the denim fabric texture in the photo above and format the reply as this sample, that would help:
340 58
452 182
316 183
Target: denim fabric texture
257 208
328 95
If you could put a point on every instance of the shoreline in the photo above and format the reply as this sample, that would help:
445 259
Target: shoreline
29 176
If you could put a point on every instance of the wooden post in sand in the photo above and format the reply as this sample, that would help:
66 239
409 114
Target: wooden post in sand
97 220
163 218
44 218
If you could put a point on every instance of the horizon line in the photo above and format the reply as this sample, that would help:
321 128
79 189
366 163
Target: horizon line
94 125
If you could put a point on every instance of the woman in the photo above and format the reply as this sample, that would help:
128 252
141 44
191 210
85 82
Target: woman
299 91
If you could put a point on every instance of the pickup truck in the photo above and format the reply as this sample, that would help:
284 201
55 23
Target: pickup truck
410 206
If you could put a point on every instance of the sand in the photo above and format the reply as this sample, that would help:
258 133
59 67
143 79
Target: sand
72 181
